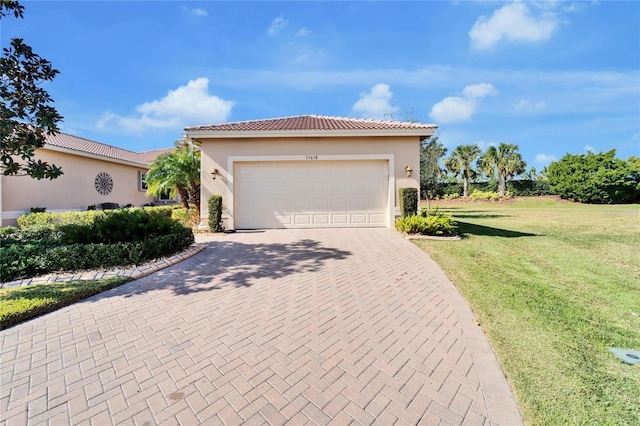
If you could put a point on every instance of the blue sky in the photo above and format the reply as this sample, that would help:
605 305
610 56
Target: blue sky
552 77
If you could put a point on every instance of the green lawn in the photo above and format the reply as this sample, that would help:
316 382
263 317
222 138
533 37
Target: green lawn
554 284
18 304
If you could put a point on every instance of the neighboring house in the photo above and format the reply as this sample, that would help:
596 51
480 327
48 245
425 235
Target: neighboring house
308 171
94 173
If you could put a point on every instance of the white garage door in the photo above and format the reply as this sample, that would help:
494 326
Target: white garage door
311 194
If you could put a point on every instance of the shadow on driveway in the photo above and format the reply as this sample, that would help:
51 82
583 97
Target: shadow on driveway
238 264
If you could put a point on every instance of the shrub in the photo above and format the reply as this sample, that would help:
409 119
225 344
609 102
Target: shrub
484 196
427 223
33 258
528 188
215 213
595 178
9 232
166 211
121 226
114 238
189 218
54 220
408 201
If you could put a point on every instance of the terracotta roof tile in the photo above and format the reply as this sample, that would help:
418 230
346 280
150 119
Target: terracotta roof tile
76 143
311 122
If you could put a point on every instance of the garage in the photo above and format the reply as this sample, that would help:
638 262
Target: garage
307 171
309 194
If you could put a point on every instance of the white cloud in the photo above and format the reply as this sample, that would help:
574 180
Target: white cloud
589 148
478 91
196 11
277 25
455 108
376 103
303 32
525 105
187 105
544 159
512 22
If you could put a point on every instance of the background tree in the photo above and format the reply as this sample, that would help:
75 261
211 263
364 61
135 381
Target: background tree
26 113
176 173
461 163
531 174
595 178
431 173
505 162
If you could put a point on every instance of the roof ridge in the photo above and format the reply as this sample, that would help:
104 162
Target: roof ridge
330 117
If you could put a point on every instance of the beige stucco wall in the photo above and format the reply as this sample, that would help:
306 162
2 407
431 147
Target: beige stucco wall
74 190
216 153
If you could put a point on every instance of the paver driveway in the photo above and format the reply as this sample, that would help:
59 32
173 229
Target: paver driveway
291 326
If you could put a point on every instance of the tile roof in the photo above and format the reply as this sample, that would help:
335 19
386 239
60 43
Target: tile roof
311 122
86 146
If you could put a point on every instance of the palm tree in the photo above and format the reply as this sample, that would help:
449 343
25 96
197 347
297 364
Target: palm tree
506 161
431 173
460 162
177 173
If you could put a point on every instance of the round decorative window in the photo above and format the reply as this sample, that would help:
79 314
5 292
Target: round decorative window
103 183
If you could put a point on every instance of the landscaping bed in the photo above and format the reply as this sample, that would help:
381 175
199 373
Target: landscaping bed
49 242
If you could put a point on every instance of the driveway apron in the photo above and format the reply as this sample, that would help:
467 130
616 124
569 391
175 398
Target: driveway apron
330 326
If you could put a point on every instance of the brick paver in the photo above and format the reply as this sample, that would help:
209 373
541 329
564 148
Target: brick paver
331 326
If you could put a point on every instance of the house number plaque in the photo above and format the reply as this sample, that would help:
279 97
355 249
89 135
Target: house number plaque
312 157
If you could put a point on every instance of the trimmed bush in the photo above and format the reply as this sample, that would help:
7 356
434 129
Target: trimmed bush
517 188
427 223
46 256
408 201
215 213
113 238
53 220
484 196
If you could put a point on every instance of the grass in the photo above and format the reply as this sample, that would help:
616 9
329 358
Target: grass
19 304
554 284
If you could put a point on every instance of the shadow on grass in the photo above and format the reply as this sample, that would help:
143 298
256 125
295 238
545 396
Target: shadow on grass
465 229
479 216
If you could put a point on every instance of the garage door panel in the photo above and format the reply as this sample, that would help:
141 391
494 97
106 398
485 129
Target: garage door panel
321 219
302 219
358 218
377 219
284 219
311 194
339 219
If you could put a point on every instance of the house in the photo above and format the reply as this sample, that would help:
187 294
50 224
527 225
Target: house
308 171
93 173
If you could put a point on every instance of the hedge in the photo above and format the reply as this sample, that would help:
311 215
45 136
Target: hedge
408 201
41 257
215 213
520 188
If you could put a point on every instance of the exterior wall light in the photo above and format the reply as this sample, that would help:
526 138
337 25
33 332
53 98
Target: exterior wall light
409 171
214 173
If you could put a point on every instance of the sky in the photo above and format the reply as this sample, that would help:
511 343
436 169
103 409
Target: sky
552 77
